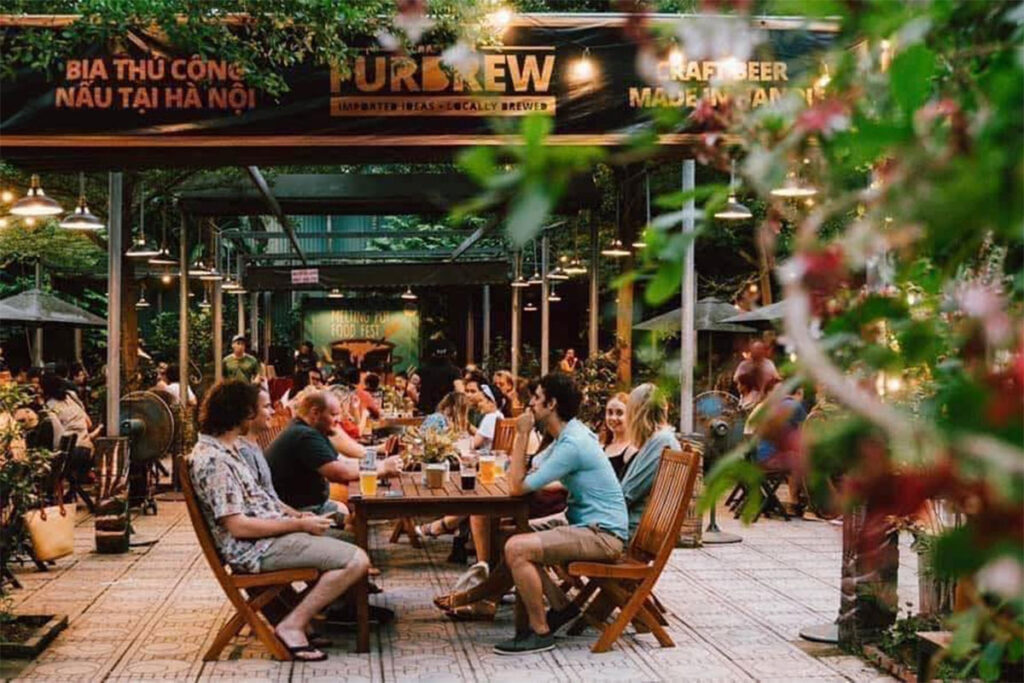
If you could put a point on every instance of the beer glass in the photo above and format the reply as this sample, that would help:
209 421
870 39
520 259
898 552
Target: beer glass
487 469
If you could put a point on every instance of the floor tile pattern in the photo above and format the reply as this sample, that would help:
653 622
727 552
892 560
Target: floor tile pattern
735 614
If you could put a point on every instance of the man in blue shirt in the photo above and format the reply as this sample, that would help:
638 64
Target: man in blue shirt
598 522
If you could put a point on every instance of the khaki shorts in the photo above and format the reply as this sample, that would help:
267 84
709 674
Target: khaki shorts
302 551
564 544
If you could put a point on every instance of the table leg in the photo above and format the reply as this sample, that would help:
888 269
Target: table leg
522 525
362 593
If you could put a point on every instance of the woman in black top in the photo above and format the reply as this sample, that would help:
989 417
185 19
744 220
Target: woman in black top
615 434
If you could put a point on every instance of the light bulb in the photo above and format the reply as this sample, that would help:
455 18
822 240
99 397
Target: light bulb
500 18
675 57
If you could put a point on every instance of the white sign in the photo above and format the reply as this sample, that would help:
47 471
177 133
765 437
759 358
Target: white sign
306 276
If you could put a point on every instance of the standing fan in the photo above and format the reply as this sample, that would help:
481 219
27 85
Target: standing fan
717 417
148 422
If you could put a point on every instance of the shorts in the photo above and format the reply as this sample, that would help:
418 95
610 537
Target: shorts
304 551
565 544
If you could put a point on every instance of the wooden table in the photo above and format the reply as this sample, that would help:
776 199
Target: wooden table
419 501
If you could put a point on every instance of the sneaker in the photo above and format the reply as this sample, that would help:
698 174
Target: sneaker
526 644
557 618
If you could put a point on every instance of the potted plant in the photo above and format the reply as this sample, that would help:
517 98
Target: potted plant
434 451
21 469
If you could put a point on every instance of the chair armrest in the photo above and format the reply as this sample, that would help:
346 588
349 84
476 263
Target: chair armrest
626 569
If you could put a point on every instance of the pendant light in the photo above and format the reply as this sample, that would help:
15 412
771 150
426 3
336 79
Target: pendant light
163 257
142 303
35 203
335 293
205 303
535 279
519 282
558 273
409 295
81 218
142 249
553 296
794 187
615 249
733 210
639 242
211 275
530 307
575 265
198 268
229 284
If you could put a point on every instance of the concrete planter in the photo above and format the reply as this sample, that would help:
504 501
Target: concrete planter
43 629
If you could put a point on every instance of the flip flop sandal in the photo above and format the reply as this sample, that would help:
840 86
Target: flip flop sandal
320 641
303 649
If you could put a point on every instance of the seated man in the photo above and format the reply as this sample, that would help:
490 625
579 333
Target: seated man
302 459
252 532
596 512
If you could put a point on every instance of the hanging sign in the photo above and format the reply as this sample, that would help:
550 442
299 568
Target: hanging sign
305 276
580 71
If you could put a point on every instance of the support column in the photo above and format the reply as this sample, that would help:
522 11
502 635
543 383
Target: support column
268 328
183 357
254 322
37 346
545 306
486 352
78 344
630 219
218 331
114 238
470 331
688 336
516 319
595 259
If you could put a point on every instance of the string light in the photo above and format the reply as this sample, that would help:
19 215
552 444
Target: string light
500 18
582 70
6 196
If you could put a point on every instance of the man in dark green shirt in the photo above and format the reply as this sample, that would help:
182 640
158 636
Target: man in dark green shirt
238 364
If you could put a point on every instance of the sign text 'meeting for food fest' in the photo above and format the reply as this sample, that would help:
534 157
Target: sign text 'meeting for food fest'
347 324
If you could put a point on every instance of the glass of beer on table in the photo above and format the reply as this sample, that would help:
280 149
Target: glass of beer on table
487 469
468 476
368 473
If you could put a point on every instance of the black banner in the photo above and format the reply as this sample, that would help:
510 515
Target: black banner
582 73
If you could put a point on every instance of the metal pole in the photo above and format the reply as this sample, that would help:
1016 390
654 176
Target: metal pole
114 238
37 347
595 256
516 318
687 334
218 331
183 359
470 331
240 299
267 328
486 352
254 322
545 312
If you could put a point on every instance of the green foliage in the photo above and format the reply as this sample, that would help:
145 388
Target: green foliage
61 251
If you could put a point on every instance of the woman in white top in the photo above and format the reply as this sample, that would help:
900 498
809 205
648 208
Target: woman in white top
481 396
68 409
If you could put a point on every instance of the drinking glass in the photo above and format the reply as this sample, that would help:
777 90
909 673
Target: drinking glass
487 469
368 480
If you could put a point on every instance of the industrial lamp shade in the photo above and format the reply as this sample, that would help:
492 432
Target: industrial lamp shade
535 279
163 258
141 249
409 295
733 211
530 307
615 249
558 274
81 218
576 267
794 188
35 203
335 294
520 282
198 269
211 275
142 303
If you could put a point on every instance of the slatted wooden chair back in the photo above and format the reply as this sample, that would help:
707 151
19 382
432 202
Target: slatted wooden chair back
268 585
504 435
666 508
278 421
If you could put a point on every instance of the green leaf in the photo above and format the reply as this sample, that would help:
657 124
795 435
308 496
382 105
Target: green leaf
527 213
666 282
479 163
991 657
965 635
910 77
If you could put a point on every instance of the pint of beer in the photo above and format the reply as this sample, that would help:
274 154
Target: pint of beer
487 469
368 482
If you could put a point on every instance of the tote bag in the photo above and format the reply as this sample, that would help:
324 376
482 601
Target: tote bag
52 529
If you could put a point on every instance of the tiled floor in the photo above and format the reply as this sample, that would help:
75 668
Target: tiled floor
736 611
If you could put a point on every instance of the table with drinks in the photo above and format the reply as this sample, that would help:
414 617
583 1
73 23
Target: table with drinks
478 487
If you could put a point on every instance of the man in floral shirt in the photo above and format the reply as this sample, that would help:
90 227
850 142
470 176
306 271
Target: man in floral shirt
252 532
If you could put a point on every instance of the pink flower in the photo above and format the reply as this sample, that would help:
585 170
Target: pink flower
828 117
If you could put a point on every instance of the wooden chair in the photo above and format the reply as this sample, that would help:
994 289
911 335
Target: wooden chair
278 421
265 586
628 583
504 435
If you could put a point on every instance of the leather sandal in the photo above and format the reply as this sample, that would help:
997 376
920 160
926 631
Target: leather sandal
482 610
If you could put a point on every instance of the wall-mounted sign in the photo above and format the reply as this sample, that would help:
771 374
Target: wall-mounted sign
359 329
305 276
389 100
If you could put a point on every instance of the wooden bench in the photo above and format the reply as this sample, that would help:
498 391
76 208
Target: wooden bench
264 587
627 585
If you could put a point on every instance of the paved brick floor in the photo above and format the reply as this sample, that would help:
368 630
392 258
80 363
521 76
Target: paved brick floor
736 612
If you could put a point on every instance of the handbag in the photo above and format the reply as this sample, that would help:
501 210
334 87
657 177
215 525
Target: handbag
52 529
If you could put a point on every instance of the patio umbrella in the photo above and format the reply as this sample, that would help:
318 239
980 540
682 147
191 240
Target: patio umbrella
708 316
40 308
771 312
